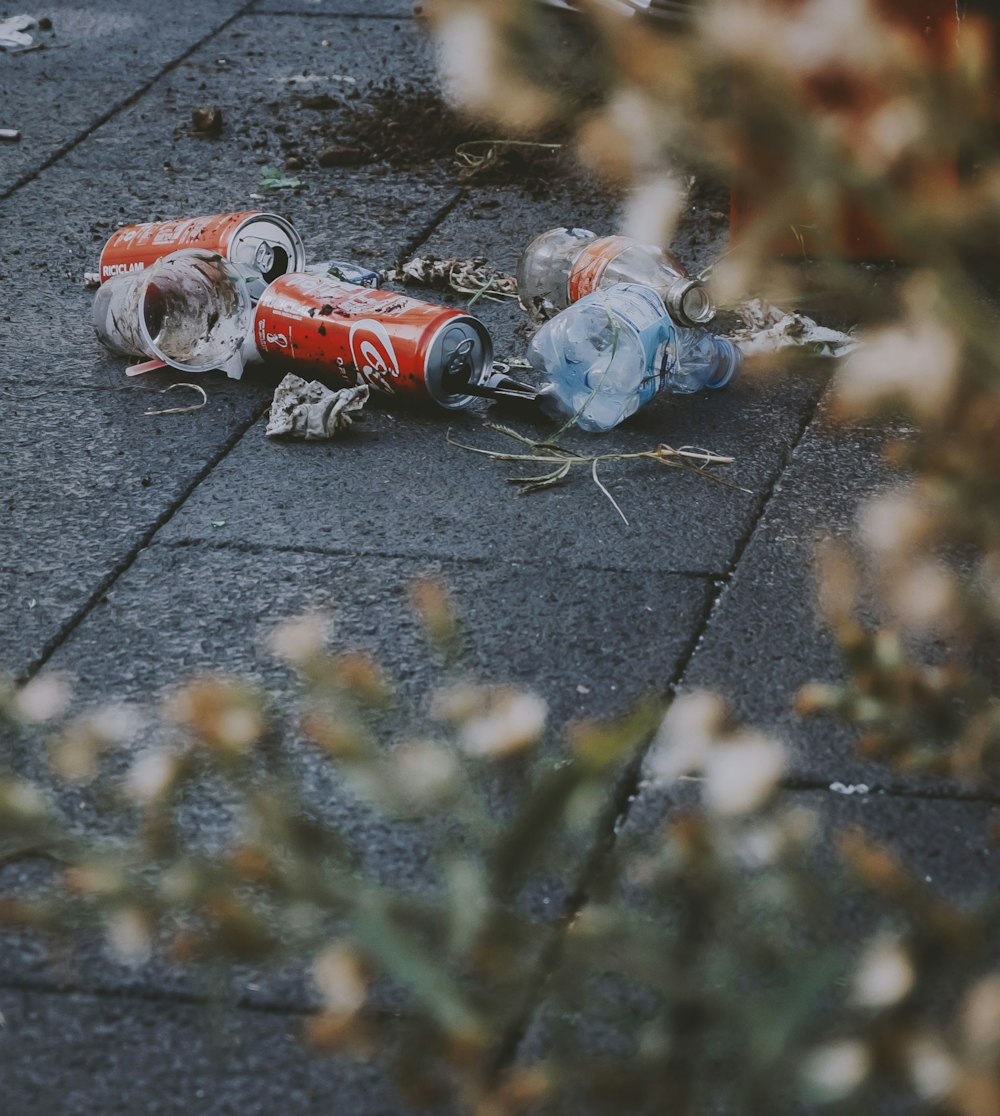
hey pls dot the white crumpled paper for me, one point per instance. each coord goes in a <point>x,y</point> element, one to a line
<point>767,329</point>
<point>311,410</point>
<point>12,37</point>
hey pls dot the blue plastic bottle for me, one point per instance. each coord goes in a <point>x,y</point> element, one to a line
<point>607,355</point>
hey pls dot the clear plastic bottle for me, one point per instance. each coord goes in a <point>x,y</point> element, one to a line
<point>607,355</point>
<point>563,265</point>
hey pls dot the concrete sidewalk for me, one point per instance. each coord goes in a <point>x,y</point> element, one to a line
<point>136,551</point>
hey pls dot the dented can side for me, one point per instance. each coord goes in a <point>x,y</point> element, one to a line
<point>397,345</point>
<point>263,241</point>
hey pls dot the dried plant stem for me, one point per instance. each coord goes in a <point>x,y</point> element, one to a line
<point>562,460</point>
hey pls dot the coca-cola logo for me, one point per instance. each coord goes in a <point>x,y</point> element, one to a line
<point>372,353</point>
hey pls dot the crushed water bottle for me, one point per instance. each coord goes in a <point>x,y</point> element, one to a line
<point>563,265</point>
<point>607,355</point>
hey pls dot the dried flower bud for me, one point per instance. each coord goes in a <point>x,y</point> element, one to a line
<point>223,713</point>
<point>816,697</point>
<point>425,772</point>
<point>834,1071</point>
<point>923,597</point>
<point>932,1069</point>
<point>95,879</point>
<point>21,801</point>
<point>689,727</point>
<point>301,640</point>
<point>76,751</point>
<point>742,773</point>
<point>43,699</point>
<point>838,584</point>
<point>339,736</point>
<point>130,935</point>
<point>885,974</point>
<point>914,362</point>
<point>981,1019</point>
<point>894,524</point>
<point>511,721</point>
<point>338,974</point>
<point>433,605</point>
<point>152,776</point>
<point>358,672</point>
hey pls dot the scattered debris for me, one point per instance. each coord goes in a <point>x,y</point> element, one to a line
<point>346,272</point>
<point>272,178</point>
<point>311,410</point>
<point>563,460</point>
<point>602,357</point>
<point>561,265</point>
<point>472,276</point>
<point>191,310</point>
<point>182,410</point>
<point>11,135</point>
<point>399,346</point>
<point>480,155</point>
<point>769,330</point>
<point>337,156</point>
<point>264,242</point>
<point>206,121</point>
<point>13,37</point>
<point>319,101</point>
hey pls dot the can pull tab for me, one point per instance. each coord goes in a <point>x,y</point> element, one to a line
<point>458,366</point>
<point>502,388</point>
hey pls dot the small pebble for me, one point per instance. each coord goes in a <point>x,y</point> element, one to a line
<point>340,157</point>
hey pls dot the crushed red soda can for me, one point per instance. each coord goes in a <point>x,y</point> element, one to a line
<point>397,345</point>
<point>258,242</point>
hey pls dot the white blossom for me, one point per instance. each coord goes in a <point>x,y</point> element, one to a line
<point>742,773</point>
<point>884,976</point>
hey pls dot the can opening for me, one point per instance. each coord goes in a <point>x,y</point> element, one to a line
<point>278,265</point>
<point>459,366</point>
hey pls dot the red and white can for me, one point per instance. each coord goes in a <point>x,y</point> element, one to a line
<point>397,345</point>
<point>262,241</point>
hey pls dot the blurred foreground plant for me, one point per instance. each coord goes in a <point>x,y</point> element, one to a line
<point>720,954</point>
<point>714,960</point>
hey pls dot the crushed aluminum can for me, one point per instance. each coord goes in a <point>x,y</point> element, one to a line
<point>263,243</point>
<point>397,345</point>
<point>346,272</point>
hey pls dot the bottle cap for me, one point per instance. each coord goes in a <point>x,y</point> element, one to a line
<point>729,363</point>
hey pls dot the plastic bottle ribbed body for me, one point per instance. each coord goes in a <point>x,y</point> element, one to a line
<point>607,355</point>
<point>565,264</point>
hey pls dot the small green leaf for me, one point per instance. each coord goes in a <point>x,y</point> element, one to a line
<point>272,178</point>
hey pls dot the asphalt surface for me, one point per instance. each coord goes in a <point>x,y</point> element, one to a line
<point>136,551</point>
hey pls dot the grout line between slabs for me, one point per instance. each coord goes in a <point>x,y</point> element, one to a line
<point>133,552</point>
<point>245,547</point>
<point>120,106</point>
<point>151,995</point>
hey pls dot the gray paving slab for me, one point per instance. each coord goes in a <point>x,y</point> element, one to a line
<point>94,58</point>
<point>179,611</point>
<point>322,8</point>
<point>89,476</point>
<point>766,638</point>
<point>76,1055</point>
